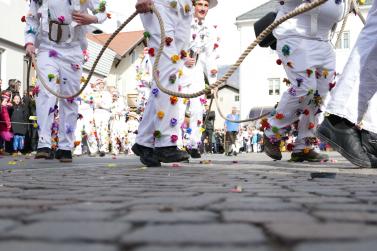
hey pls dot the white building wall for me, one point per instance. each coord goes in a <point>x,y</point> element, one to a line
<point>261,65</point>
<point>123,75</point>
<point>12,40</point>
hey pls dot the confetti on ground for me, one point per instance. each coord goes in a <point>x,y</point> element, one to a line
<point>323,175</point>
<point>143,168</point>
<point>111,165</point>
<point>12,163</point>
<point>206,162</point>
<point>114,157</point>
<point>175,165</point>
<point>237,189</point>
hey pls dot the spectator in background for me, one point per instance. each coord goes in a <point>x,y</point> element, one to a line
<point>19,118</point>
<point>31,139</point>
<point>14,86</point>
<point>5,123</point>
<point>231,129</point>
<point>209,124</point>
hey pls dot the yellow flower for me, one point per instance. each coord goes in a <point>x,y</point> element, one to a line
<point>175,59</point>
<point>185,100</point>
<point>82,80</point>
<point>82,1</point>
<point>187,8</point>
<point>180,73</point>
<point>160,114</point>
<point>202,130</point>
<point>306,150</point>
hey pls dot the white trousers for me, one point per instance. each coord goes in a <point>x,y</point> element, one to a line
<point>156,128</point>
<point>310,66</point>
<point>85,128</point>
<point>118,134</point>
<point>354,97</point>
<point>101,120</point>
<point>57,71</point>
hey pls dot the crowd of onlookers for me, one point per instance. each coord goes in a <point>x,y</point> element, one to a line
<point>18,127</point>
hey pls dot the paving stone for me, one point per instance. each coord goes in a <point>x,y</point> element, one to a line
<point>201,234</point>
<point>341,246</point>
<point>314,200</point>
<point>6,224</point>
<point>203,248</point>
<point>92,206</point>
<point>65,215</point>
<point>170,217</point>
<point>267,217</point>
<point>95,231</point>
<point>324,231</point>
<point>40,246</point>
<point>347,216</point>
<point>345,207</point>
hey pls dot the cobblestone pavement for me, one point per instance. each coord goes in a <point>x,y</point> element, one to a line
<point>240,203</point>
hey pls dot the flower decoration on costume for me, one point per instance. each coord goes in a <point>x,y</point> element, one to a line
<point>189,130</point>
<point>36,90</point>
<point>292,91</point>
<point>160,114</point>
<point>290,147</point>
<point>173,4</point>
<point>61,19</point>
<point>173,100</point>
<point>215,46</point>
<point>290,64</point>
<point>175,58</point>
<point>274,129</point>
<point>299,81</point>
<point>279,61</point>
<point>173,122</point>
<point>286,50</point>
<point>187,8</point>
<point>31,30</point>
<point>325,73</point>
<point>147,35</point>
<point>279,116</point>
<point>317,74</point>
<point>52,109</point>
<point>168,41</point>
<point>102,6</point>
<point>264,124</point>
<point>155,91</point>
<point>311,125</point>
<point>157,134</point>
<point>183,54</point>
<point>53,54</point>
<point>306,112</point>
<point>331,86</point>
<point>287,82</point>
<point>151,52</point>
<point>69,129</point>
<point>173,138</point>
<point>23,19</point>
<point>203,101</point>
<point>180,73</point>
<point>172,79</point>
<point>306,150</point>
<point>70,100</point>
<point>50,77</point>
<point>309,72</point>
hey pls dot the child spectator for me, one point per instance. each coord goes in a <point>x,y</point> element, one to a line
<point>5,124</point>
<point>19,119</point>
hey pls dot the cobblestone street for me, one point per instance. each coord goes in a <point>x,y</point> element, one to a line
<point>241,203</point>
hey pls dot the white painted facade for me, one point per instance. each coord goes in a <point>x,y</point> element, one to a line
<point>12,53</point>
<point>260,68</point>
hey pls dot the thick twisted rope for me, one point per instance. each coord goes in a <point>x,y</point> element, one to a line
<point>91,72</point>
<point>215,93</point>
<point>233,68</point>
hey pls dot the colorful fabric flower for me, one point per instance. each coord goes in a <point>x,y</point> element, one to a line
<point>53,54</point>
<point>173,100</point>
<point>75,67</point>
<point>168,41</point>
<point>172,79</point>
<point>147,35</point>
<point>173,138</point>
<point>175,58</point>
<point>286,50</point>
<point>173,122</point>
<point>279,116</point>
<point>309,72</point>
<point>61,19</point>
<point>157,134</point>
<point>151,52</point>
<point>155,91</point>
<point>173,4</point>
<point>160,114</point>
<point>50,77</point>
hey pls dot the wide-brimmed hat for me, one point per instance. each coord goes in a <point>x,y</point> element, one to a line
<point>212,3</point>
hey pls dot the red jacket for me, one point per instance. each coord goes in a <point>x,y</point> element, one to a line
<point>5,125</point>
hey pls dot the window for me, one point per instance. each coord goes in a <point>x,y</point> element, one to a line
<point>273,86</point>
<point>237,98</point>
<point>344,40</point>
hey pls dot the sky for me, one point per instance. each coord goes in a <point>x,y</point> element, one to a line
<point>224,16</point>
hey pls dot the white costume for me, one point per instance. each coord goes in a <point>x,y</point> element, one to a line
<point>118,126</point>
<point>203,45</point>
<point>102,114</point>
<point>159,126</point>
<point>132,126</point>
<point>144,81</point>
<point>59,62</point>
<point>354,97</point>
<point>85,130</point>
<point>308,57</point>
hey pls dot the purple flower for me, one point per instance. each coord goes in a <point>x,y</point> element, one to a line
<point>69,129</point>
<point>155,91</point>
<point>173,122</point>
<point>292,91</point>
<point>53,54</point>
